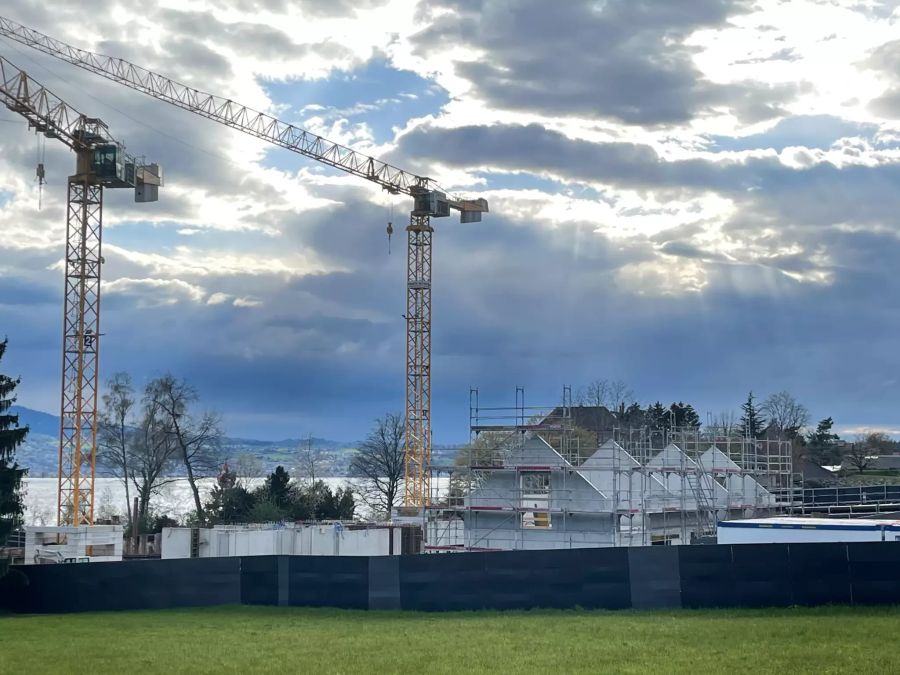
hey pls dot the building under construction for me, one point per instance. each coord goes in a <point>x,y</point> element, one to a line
<point>567,477</point>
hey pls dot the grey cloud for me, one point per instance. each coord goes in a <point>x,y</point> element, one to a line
<point>886,58</point>
<point>820,194</point>
<point>876,9</point>
<point>205,63</point>
<point>624,59</point>
<point>888,104</point>
<point>260,40</point>
<point>683,249</point>
<point>785,54</point>
<point>309,8</point>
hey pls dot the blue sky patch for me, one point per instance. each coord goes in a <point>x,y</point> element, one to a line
<point>375,94</point>
<point>810,131</point>
<point>164,238</point>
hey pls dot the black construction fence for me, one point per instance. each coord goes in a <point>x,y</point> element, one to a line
<point>746,575</point>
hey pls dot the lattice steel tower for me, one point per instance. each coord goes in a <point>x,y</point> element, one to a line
<point>101,162</point>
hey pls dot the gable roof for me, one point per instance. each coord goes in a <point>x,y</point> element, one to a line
<point>716,460</point>
<point>535,451</point>
<point>610,455</point>
<point>672,457</point>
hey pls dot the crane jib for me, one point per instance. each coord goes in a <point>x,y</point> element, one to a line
<point>240,117</point>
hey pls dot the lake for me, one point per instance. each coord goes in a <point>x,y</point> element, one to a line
<point>175,498</point>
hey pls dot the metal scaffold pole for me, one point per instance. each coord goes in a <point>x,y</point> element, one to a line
<point>417,456</point>
<point>81,346</point>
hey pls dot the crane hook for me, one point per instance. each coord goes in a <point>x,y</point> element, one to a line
<point>390,231</point>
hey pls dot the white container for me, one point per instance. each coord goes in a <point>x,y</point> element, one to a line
<point>806,530</point>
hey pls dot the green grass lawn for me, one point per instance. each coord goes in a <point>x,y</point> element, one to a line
<point>289,640</point>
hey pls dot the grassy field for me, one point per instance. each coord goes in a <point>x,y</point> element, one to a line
<point>288,640</point>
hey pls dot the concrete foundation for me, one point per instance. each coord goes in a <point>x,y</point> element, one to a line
<point>86,543</point>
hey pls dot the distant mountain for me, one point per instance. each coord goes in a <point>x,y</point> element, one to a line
<point>39,422</point>
<point>40,452</point>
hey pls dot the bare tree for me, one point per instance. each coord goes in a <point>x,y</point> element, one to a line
<point>309,471</point>
<point>310,461</point>
<point>595,394</point>
<point>866,447</point>
<point>151,456</point>
<point>603,393</point>
<point>115,431</point>
<point>379,464</point>
<point>197,439</point>
<point>786,415</point>
<point>878,442</point>
<point>724,423</point>
<point>620,396</point>
<point>858,455</point>
<point>133,444</point>
<point>247,467</point>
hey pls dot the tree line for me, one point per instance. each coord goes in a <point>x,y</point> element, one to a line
<point>778,416</point>
<point>152,438</point>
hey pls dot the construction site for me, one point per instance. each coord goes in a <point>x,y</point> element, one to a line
<point>557,476</point>
<point>566,477</point>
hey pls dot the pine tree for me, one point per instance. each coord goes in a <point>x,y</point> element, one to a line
<point>821,443</point>
<point>753,424</point>
<point>684,415</point>
<point>11,437</point>
<point>657,416</point>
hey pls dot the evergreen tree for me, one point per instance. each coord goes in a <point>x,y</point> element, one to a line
<point>684,415</point>
<point>229,502</point>
<point>631,417</point>
<point>657,416</point>
<point>277,487</point>
<point>11,437</point>
<point>753,424</point>
<point>821,443</point>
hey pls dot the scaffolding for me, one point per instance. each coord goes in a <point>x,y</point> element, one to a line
<point>566,476</point>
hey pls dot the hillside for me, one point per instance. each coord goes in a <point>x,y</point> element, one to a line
<point>40,453</point>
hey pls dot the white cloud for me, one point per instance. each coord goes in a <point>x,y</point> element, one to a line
<point>155,292</point>
<point>187,261</point>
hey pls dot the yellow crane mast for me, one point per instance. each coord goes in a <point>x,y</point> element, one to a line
<point>429,201</point>
<point>101,162</point>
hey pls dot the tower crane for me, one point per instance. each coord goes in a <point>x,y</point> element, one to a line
<point>101,162</point>
<point>429,201</point>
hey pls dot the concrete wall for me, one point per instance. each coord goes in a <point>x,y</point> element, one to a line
<point>102,543</point>
<point>220,542</point>
<point>747,575</point>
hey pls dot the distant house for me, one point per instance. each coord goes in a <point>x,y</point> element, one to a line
<point>877,463</point>
<point>812,471</point>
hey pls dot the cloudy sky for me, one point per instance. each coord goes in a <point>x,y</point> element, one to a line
<point>699,197</point>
